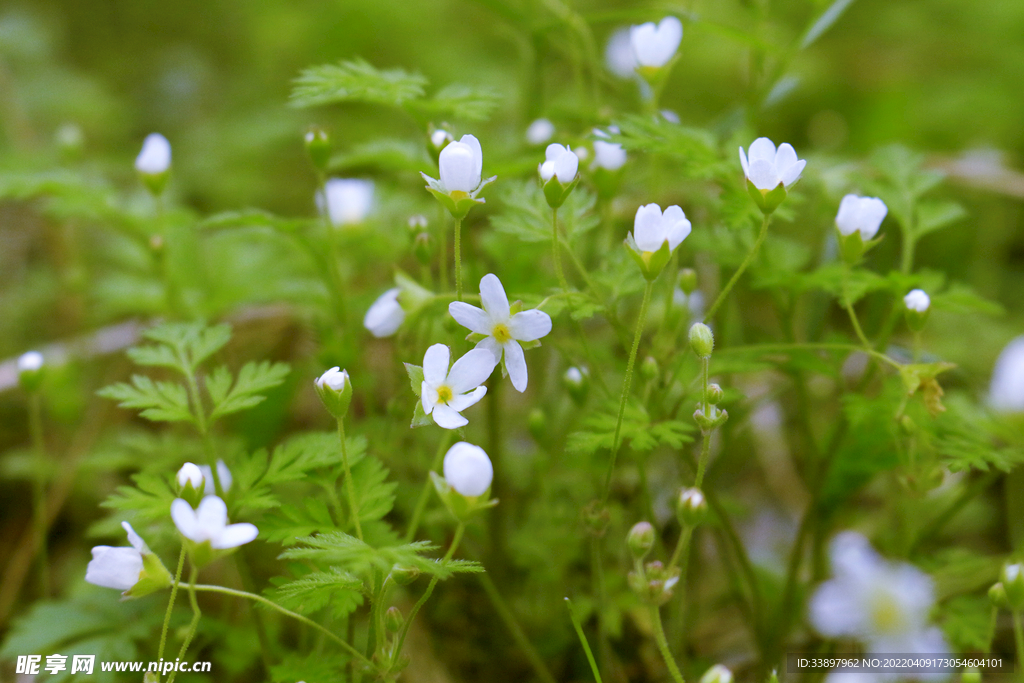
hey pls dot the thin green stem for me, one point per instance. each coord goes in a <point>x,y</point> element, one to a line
<point>512,624</point>
<point>583,640</point>
<point>349,486</point>
<point>848,305</point>
<point>681,551</point>
<point>443,248</point>
<point>702,463</point>
<point>739,271</point>
<point>458,259</point>
<point>597,577</point>
<point>421,503</point>
<point>666,654</point>
<point>196,614</point>
<point>625,389</point>
<point>556,250</point>
<point>35,424</point>
<point>170,603</point>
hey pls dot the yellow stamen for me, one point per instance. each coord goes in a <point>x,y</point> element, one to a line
<point>444,393</point>
<point>886,615</point>
<point>501,334</point>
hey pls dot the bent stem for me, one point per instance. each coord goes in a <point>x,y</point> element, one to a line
<point>557,251</point>
<point>848,305</point>
<point>35,418</point>
<point>666,654</point>
<point>421,504</point>
<point>625,389</point>
<point>349,486</point>
<point>583,640</point>
<point>170,602</point>
<point>458,259</point>
<point>739,271</point>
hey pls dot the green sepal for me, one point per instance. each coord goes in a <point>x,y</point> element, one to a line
<point>191,494</point>
<point>155,182</point>
<point>709,423</point>
<point>153,577</point>
<point>475,337</point>
<point>651,263</point>
<point>457,202</point>
<point>527,345</point>
<point>462,507</point>
<point>853,246</point>
<point>656,75</point>
<point>336,402</point>
<point>419,417</point>
<point>556,193</point>
<point>415,373</point>
<point>201,554</point>
<point>766,200</point>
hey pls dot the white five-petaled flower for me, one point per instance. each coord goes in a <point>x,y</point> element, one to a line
<point>860,214</point>
<point>560,162</point>
<point>117,567</point>
<point>209,522</point>
<point>385,316</point>
<point>30,361</point>
<point>883,604</point>
<point>155,157</point>
<point>607,155</point>
<point>1006,392</point>
<point>654,46</point>
<point>348,200</point>
<point>503,331</point>
<point>190,473</point>
<point>461,164</point>
<point>540,131</point>
<point>467,469</point>
<point>917,300</point>
<point>767,167</point>
<point>446,393</point>
<point>652,228</point>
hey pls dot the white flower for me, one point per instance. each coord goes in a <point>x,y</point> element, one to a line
<point>574,375</point>
<point>883,604</point>
<point>385,316</point>
<point>209,522</point>
<point>503,330</point>
<point>717,674</point>
<point>652,228</point>
<point>607,155</point>
<point>863,214</point>
<point>439,137</point>
<point>1006,392</point>
<point>223,473</point>
<point>190,472</point>
<point>654,46</point>
<point>349,200</point>
<point>917,300</point>
<point>540,131</point>
<point>445,394</point>
<point>461,164</point>
<point>767,167</point>
<point>618,54</point>
<point>560,162</point>
<point>155,157</point>
<point>117,567</point>
<point>335,378</point>
<point>30,361</point>
<point>467,469</point>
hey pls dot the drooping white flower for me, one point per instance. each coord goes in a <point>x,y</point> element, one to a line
<point>461,165</point>
<point>654,46</point>
<point>190,472</point>
<point>883,604</point>
<point>30,361</point>
<point>335,378</point>
<point>917,300</point>
<point>607,155</point>
<point>223,473</point>
<point>860,214</point>
<point>652,228</point>
<point>1006,392</point>
<point>767,167</point>
<point>446,393</point>
<point>348,202</point>
<point>385,316</point>
<point>618,54</point>
<point>467,469</point>
<point>117,567</point>
<point>540,131</point>
<point>209,522</point>
<point>503,331</point>
<point>155,157</point>
<point>560,162</point>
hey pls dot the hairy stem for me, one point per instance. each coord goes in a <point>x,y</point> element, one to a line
<point>170,603</point>
<point>349,486</point>
<point>196,614</point>
<point>739,271</point>
<point>666,654</point>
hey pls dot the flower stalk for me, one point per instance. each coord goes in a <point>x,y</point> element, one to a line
<point>743,266</point>
<point>349,486</point>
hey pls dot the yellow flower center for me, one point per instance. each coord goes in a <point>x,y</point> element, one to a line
<point>501,333</point>
<point>885,615</point>
<point>456,195</point>
<point>444,393</point>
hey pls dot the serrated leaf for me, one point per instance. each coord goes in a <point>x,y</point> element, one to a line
<point>528,216</point>
<point>457,101</point>
<point>833,278</point>
<point>355,81</point>
<point>290,522</point>
<point>375,496</point>
<point>195,341</point>
<point>354,556</point>
<point>149,499</point>
<point>419,416</point>
<point>253,378</point>
<point>695,149</point>
<point>316,590</point>
<point>159,401</point>
<point>415,373</point>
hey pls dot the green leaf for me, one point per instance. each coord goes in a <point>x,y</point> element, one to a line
<point>293,521</point>
<point>934,215</point>
<point>195,341</point>
<point>352,555</point>
<point>833,279</point>
<point>824,22</point>
<point>159,401</point>
<point>149,500</point>
<point>637,428</point>
<point>527,215</point>
<point>695,149</point>
<point>355,81</point>
<point>253,379</point>
<point>375,496</point>
<point>457,101</point>
<point>415,373</point>
<point>316,590</point>
<point>960,298</point>
<point>251,218</point>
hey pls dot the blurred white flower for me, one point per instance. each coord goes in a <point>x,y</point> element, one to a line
<point>574,375</point>
<point>440,137</point>
<point>766,168</point>
<point>670,116</point>
<point>461,164</point>
<point>349,200</point>
<point>385,316</point>
<point>446,393</point>
<point>209,522</point>
<point>559,162</point>
<point>539,132</point>
<point>31,361</point>
<point>1006,392</point>
<point>607,155</point>
<point>917,300</point>
<point>335,378</point>
<point>863,214</point>
<point>717,674</point>
<point>223,473</point>
<point>502,330</point>
<point>190,472</point>
<point>155,157</point>
<point>117,567</point>
<point>654,46</point>
<point>467,469</point>
<point>652,228</point>
<point>618,54</point>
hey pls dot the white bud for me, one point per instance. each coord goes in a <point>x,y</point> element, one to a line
<point>607,155</point>
<point>917,300</point>
<point>155,157</point>
<point>467,469</point>
<point>461,164</point>
<point>385,316</point>
<point>349,200</point>
<point>717,674</point>
<point>190,472</point>
<point>335,378</point>
<point>1006,392</point>
<point>540,131</point>
<point>863,214</point>
<point>654,46</point>
<point>223,473</point>
<point>30,361</point>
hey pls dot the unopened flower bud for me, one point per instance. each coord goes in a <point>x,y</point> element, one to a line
<point>403,576</point>
<point>649,368</point>
<point>418,223</point>
<point>577,382</point>
<point>688,280</point>
<point>1012,578</point>
<point>997,596</point>
<point>393,619</point>
<point>692,507</point>
<point>318,146</point>
<point>715,394</point>
<point>335,390</point>
<point>30,370</point>
<point>717,674</point>
<point>154,162</point>
<point>640,540</point>
<point>917,304</point>
<point>702,340</point>
<point>468,470</point>
<point>423,247</point>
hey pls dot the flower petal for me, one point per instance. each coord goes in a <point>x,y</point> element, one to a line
<point>435,364</point>
<point>566,166</point>
<point>235,535</point>
<point>491,344</point>
<point>529,325</point>
<point>494,299</point>
<point>185,519</point>
<point>460,168</point>
<point>761,148</point>
<point>785,157</point>
<point>428,397</point>
<point>463,401</point>
<point>677,232</point>
<point>478,155</point>
<point>515,363</point>
<point>472,318</point>
<point>647,228</point>
<point>471,371</point>
<point>792,174</point>
<point>134,538</point>
<point>846,218</point>
<point>553,151</point>
<point>212,515</point>
<point>743,163</point>
<point>448,418</point>
<point>763,175</point>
